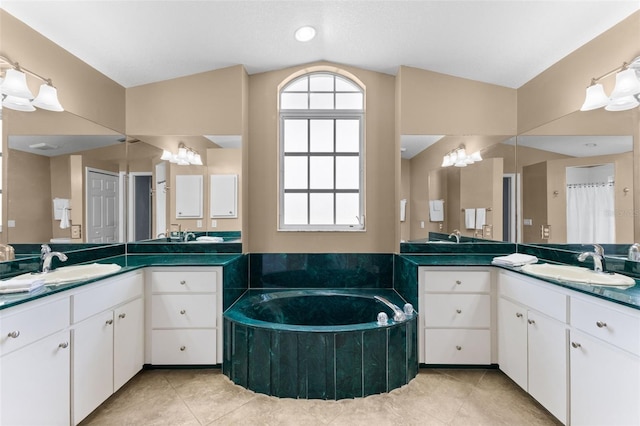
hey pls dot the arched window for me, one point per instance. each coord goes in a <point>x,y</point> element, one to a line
<point>321,154</point>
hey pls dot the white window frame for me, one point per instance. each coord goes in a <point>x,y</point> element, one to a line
<point>311,114</point>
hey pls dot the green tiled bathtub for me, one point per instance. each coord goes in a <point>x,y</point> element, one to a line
<point>323,344</point>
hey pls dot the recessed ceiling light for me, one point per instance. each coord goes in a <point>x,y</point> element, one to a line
<point>305,33</point>
<point>590,144</point>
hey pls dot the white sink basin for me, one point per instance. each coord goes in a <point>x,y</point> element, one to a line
<point>578,274</point>
<point>67,274</point>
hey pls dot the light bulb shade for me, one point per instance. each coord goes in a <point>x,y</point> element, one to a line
<point>15,84</point>
<point>476,156</point>
<point>622,104</point>
<point>460,163</point>
<point>19,104</point>
<point>182,153</point>
<point>595,98</point>
<point>48,99</point>
<point>446,161</point>
<point>166,155</point>
<point>627,84</point>
<point>197,160</point>
<point>462,154</point>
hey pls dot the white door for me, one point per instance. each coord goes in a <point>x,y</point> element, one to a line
<point>102,206</point>
<point>161,199</point>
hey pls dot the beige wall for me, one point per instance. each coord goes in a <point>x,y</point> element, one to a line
<point>534,202</point>
<point>481,187</point>
<point>380,185</point>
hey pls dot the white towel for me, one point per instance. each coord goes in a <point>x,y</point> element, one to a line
<point>20,285</point>
<point>64,220</point>
<point>514,259</point>
<point>436,210</point>
<point>403,210</point>
<point>481,218</point>
<point>59,204</point>
<point>470,218</point>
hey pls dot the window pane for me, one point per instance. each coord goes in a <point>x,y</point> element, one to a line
<point>347,209</point>
<point>295,173</point>
<point>347,173</point>
<point>347,136</point>
<point>344,85</point>
<point>321,173</point>
<point>295,136</point>
<point>295,209</point>
<point>321,135</point>
<point>321,206</point>
<point>348,100</point>
<point>321,101</point>
<point>299,85</point>
<point>293,101</point>
<point>321,83</point>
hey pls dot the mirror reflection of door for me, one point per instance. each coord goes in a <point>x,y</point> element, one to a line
<point>140,203</point>
<point>102,206</point>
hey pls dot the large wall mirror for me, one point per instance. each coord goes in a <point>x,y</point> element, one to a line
<point>578,179</point>
<point>442,192</point>
<point>111,184</point>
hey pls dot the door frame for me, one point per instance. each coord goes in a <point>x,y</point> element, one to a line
<point>131,229</point>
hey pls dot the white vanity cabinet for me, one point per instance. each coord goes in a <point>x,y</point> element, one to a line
<point>108,339</point>
<point>605,363</point>
<point>456,315</point>
<point>34,363</point>
<point>532,339</point>
<point>185,315</point>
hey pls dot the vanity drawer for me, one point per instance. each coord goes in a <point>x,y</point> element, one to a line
<point>182,281</point>
<point>457,281</point>
<point>27,325</point>
<point>181,347</point>
<point>106,294</point>
<point>457,310</point>
<point>535,294</point>
<point>606,323</point>
<point>183,310</point>
<point>457,347</point>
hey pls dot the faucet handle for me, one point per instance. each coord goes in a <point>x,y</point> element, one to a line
<point>45,249</point>
<point>597,249</point>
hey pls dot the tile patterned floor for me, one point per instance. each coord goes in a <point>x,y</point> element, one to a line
<point>207,397</point>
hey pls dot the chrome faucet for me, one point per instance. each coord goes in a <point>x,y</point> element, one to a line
<point>634,252</point>
<point>456,234</point>
<point>46,257</point>
<point>398,314</point>
<point>187,234</point>
<point>597,255</point>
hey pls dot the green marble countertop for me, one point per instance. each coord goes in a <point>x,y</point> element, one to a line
<point>128,263</point>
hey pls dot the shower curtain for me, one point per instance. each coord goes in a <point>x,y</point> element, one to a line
<point>591,213</point>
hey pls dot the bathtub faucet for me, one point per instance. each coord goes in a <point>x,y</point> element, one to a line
<point>398,314</point>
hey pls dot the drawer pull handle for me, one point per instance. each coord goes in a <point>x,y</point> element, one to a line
<point>459,311</point>
<point>531,321</point>
<point>122,315</point>
<point>601,324</point>
<point>183,348</point>
<point>518,315</point>
<point>63,345</point>
<point>182,282</point>
<point>14,334</point>
<point>182,312</point>
<point>458,282</point>
<point>459,348</point>
<point>575,345</point>
<point>109,322</point>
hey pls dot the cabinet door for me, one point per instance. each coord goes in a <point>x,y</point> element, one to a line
<point>128,342</point>
<point>512,341</point>
<point>224,196</point>
<point>92,364</point>
<point>35,386</point>
<point>188,196</point>
<point>605,383</point>
<point>547,356</point>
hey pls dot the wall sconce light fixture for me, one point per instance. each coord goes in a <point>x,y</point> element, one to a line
<point>459,158</point>
<point>16,94</point>
<point>184,157</point>
<point>625,95</point>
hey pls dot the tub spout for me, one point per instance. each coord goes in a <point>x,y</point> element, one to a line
<point>398,314</point>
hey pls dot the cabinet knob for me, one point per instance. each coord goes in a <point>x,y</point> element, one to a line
<point>601,324</point>
<point>14,334</point>
<point>459,348</point>
<point>183,348</point>
<point>458,282</point>
<point>575,345</point>
<point>182,282</point>
<point>122,315</point>
<point>530,321</point>
<point>459,311</point>
<point>109,322</point>
<point>518,315</point>
<point>63,345</point>
<point>182,312</point>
